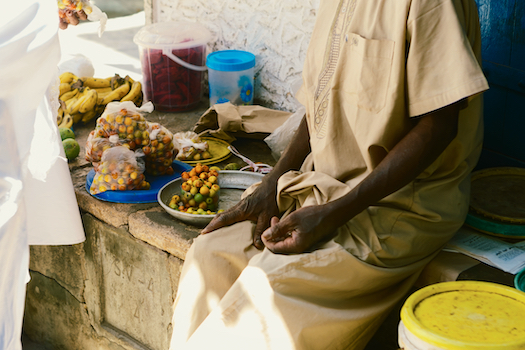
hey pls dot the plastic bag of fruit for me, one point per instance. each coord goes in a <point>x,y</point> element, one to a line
<point>127,121</point>
<point>96,145</point>
<point>120,169</point>
<point>161,151</point>
<point>191,147</point>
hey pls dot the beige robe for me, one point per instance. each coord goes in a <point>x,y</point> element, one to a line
<point>370,67</point>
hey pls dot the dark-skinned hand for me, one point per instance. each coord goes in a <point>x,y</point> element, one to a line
<point>67,17</point>
<point>301,231</point>
<point>259,207</point>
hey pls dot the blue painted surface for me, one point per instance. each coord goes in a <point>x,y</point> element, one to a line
<point>503,52</point>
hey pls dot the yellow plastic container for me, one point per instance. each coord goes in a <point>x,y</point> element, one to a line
<point>463,315</point>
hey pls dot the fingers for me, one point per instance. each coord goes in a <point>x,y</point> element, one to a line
<point>284,245</point>
<point>82,15</point>
<point>262,224</point>
<point>62,24</point>
<point>226,218</point>
<point>283,237</point>
<point>71,17</point>
<point>275,232</point>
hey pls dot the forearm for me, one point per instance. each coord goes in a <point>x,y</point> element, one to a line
<point>294,154</point>
<point>408,159</point>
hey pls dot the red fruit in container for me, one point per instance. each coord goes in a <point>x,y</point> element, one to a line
<point>173,58</point>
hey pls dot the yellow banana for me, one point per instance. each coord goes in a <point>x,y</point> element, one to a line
<point>102,96</point>
<point>60,115</point>
<point>86,117</point>
<point>69,95</point>
<point>104,89</point>
<point>68,77</point>
<point>138,100</point>
<point>79,99</point>
<point>63,88</point>
<point>77,117</point>
<point>117,94</point>
<point>135,90</point>
<point>69,104</point>
<point>67,122</point>
<point>89,102</point>
<point>96,82</point>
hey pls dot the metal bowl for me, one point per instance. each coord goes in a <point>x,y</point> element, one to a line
<point>232,183</point>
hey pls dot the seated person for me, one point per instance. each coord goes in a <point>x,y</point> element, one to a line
<point>371,187</point>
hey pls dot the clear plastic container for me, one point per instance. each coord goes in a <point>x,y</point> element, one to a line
<point>230,77</point>
<point>172,56</point>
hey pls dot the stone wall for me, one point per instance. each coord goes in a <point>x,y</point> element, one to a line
<point>111,292</point>
<point>277,32</point>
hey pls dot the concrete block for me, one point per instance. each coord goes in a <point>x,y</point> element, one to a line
<point>64,264</point>
<point>161,230</point>
<point>57,320</point>
<point>130,287</point>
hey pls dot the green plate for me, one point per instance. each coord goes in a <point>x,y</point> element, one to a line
<point>519,280</point>
<point>218,149</point>
<point>495,227</point>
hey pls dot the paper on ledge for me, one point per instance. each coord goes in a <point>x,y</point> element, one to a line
<point>509,257</point>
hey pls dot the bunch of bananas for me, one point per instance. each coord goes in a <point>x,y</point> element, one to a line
<point>85,98</point>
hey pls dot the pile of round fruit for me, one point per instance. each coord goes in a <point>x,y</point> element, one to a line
<point>71,146</point>
<point>199,191</point>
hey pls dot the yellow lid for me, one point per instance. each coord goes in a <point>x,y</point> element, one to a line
<point>467,315</point>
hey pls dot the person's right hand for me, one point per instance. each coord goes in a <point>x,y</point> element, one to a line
<point>259,207</point>
<point>72,17</point>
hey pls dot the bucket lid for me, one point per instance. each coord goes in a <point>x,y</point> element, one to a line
<point>467,315</point>
<point>173,35</point>
<point>230,60</point>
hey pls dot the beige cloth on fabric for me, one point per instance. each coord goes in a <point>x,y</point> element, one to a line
<point>368,71</point>
<point>227,121</point>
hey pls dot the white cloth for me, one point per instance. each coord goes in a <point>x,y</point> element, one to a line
<point>37,200</point>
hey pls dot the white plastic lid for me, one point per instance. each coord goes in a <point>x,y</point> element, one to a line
<point>175,35</point>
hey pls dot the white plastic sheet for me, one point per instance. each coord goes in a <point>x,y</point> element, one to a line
<point>37,200</point>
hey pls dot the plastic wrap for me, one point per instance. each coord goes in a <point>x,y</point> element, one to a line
<point>191,147</point>
<point>279,139</point>
<point>125,120</point>
<point>96,145</point>
<point>161,151</point>
<point>120,169</point>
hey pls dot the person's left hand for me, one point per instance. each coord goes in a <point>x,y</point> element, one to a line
<point>299,232</point>
<point>72,17</point>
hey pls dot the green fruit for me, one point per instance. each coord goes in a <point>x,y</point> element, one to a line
<point>66,133</point>
<point>232,166</point>
<point>72,148</point>
<point>198,198</point>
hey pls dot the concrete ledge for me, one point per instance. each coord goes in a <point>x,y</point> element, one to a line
<point>156,227</point>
